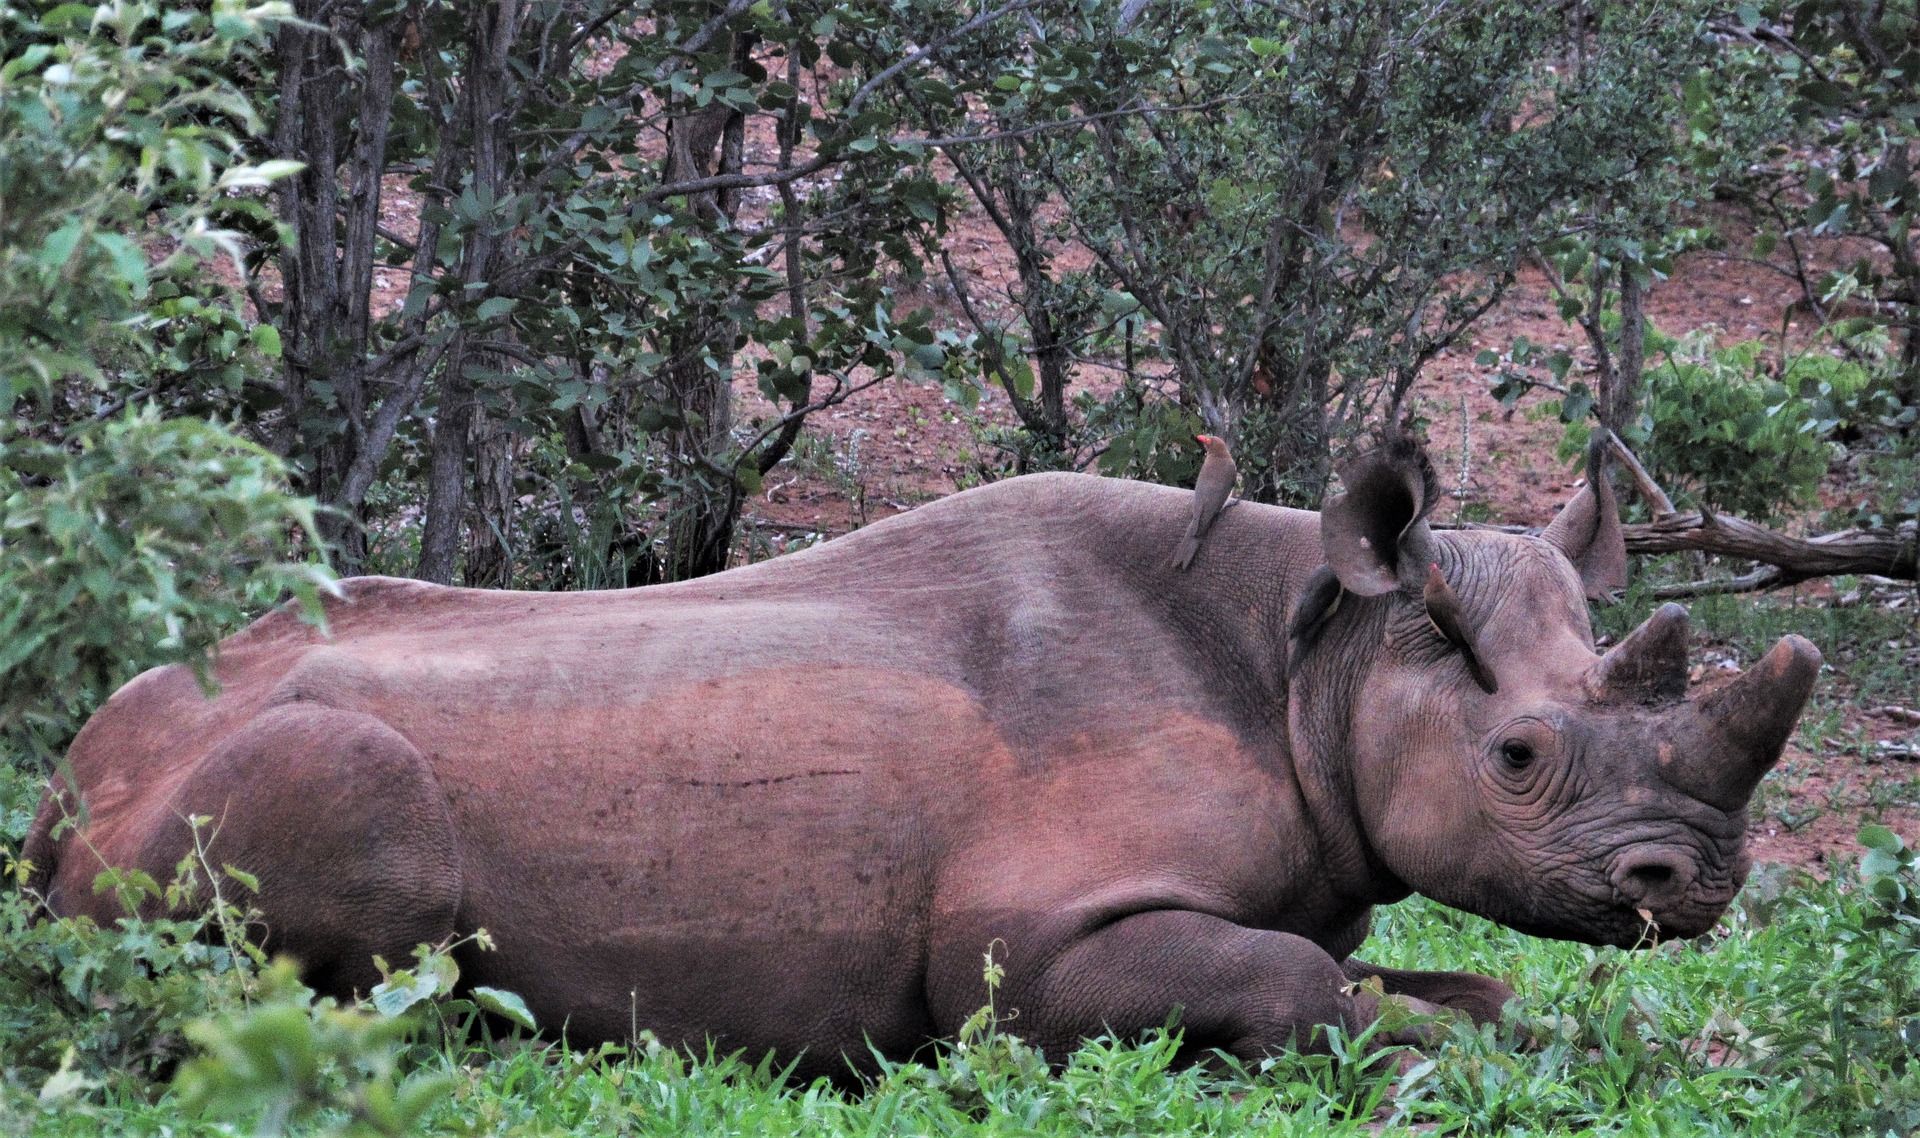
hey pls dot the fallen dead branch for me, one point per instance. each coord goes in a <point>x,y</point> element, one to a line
<point>1886,552</point>
<point>1784,560</point>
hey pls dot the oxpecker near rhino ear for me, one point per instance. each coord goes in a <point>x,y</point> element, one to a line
<point>1449,618</point>
<point>1318,602</point>
<point>1588,529</point>
<point>1374,535</point>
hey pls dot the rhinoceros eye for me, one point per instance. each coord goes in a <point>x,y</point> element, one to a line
<point>1516,753</point>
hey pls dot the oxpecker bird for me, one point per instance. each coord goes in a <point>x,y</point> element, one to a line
<point>1444,612</point>
<point>1210,491</point>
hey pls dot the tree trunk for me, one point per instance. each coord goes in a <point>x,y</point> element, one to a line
<point>490,549</point>
<point>1037,285</point>
<point>481,125</point>
<point>1619,398</point>
<point>447,474</point>
<point>324,317</point>
<point>701,519</point>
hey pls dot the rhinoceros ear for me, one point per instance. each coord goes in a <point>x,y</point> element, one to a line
<point>1588,529</point>
<point>1374,536</point>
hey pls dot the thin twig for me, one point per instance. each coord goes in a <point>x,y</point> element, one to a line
<point>1765,577</point>
<point>1650,491</point>
<point>843,389</point>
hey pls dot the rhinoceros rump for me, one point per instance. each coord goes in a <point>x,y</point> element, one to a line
<point>789,806</point>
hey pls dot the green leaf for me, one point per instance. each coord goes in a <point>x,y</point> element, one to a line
<point>59,245</point>
<point>1877,837</point>
<point>505,1004</point>
<point>1879,863</point>
<point>128,261</point>
<point>251,882</point>
<point>266,338</point>
<point>495,307</point>
<point>1824,93</point>
<point>260,176</point>
<point>402,991</point>
<point>1576,405</point>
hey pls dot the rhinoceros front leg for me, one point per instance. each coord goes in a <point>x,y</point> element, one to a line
<point>1481,998</point>
<point>1245,991</point>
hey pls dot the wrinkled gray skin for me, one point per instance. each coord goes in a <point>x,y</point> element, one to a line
<point>790,806</point>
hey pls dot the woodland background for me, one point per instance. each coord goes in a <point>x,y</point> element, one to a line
<point>568,294</point>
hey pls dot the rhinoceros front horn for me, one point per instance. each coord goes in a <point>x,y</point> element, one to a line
<point>1739,730</point>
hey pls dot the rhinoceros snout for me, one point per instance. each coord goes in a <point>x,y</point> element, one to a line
<point>1665,883</point>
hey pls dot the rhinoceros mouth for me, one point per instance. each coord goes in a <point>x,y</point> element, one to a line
<point>1651,928</point>
<point>1625,923</point>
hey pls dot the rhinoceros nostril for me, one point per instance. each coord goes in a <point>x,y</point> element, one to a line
<point>1652,875</point>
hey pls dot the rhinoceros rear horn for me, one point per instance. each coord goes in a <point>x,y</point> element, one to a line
<point>1649,666</point>
<point>1744,726</point>
<point>1374,536</point>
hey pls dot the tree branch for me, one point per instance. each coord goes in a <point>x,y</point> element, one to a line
<point>1650,491</point>
<point>1766,577</point>
<point>843,389</point>
<point>1886,552</point>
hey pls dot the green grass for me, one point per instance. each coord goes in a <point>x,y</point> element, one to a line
<point>1797,1019</point>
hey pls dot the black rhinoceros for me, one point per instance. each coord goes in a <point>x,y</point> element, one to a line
<point>788,807</point>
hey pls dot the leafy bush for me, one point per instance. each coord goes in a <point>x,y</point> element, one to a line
<point>127,540</point>
<point>90,1011</point>
<point>1719,428</point>
<point>1807,121</point>
<point>136,542</point>
<point>289,1060</point>
<point>1861,1028</point>
<point>1311,208</point>
<point>83,1005</point>
<point>122,130</point>
<point>1726,434</point>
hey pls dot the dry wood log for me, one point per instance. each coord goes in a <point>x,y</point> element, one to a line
<point>1784,560</point>
<point>1887,552</point>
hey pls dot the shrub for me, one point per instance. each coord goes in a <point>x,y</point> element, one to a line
<point>122,131</point>
<point>137,542</point>
<point>87,1005</point>
<point>1722,429</point>
<point>127,540</point>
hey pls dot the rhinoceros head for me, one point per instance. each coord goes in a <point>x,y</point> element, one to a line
<point>1498,762</point>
